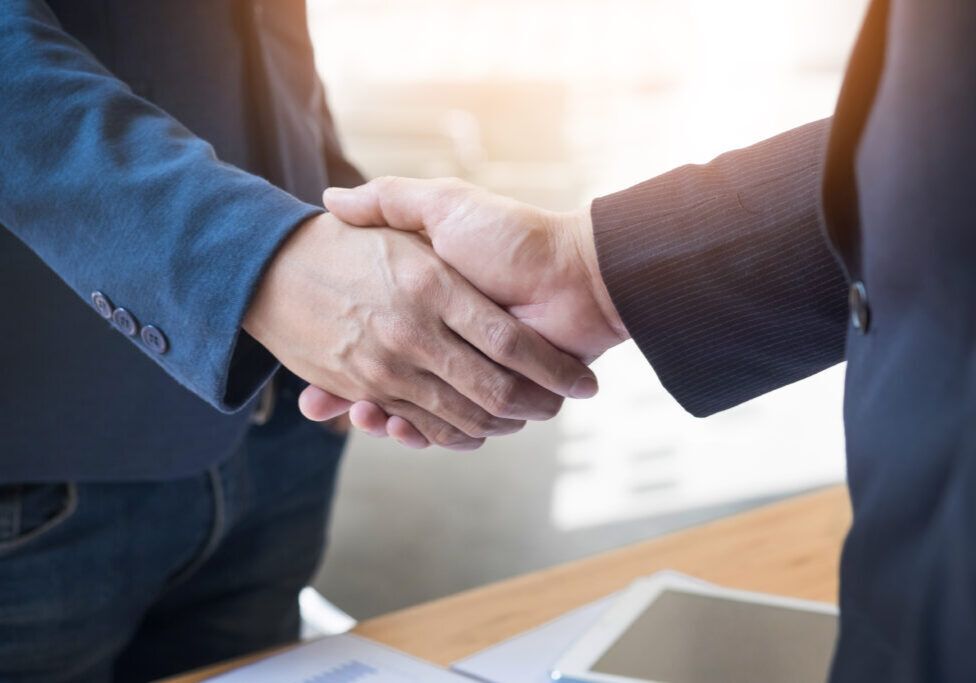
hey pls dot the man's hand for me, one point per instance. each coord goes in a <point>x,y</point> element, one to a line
<point>540,265</point>
<point>375,315</point>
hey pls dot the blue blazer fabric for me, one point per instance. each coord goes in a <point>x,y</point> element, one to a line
<point>156,154</point>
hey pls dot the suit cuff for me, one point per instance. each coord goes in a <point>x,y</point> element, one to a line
<point>209,351</point>
<point>247,366</point>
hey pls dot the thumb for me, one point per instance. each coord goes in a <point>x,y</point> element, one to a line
<point>403,203</point>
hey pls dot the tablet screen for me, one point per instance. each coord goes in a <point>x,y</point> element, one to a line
<point>684,637</point>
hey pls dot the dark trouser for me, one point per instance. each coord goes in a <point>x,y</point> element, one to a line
<point>134,581</point>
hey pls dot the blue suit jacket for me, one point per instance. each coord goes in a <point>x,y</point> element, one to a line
<point>156,153</point>
<point>723,275</point>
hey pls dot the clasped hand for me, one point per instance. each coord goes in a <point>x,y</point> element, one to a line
<point>436,312</point>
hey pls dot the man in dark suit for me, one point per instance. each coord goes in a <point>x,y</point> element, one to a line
<point>160,166</point>
<point>851,238</point>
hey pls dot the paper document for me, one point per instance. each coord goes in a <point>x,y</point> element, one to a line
<point>341,659</point>
<point>530,656</point>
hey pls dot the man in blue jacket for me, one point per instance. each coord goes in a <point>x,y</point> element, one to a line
<point>161,251</point>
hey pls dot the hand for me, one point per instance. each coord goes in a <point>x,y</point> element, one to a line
<point>375,315</point>
<point>541,265</point>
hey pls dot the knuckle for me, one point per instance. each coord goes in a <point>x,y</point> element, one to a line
<point>402,336</point>
<point>446,436</point>
<point>483,425</point>
<point>503,339</point>
<point>474,425</point>
<point>379,374</point>
<point>422,281</point>
<point>502,397</point>
<point>436,401</point>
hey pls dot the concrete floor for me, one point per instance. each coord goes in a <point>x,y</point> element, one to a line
<point>628,465</point>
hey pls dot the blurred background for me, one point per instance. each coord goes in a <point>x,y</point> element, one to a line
<point>557,102</point>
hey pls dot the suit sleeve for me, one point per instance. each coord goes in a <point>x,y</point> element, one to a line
<point>116,196</point>
<point>722,274</point>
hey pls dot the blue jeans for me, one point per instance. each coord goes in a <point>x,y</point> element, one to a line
<point>133,581</point>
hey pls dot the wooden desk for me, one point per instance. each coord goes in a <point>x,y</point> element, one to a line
<point>791,548</point>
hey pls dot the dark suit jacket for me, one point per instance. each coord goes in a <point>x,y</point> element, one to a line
<point>723,276</point>
<point>156,153</point>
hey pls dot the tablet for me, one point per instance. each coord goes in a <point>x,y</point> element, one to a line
<point>667,630</point>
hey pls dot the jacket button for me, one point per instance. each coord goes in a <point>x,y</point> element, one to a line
<point>124,322</point>
<point>154,339</point>
<point>102,305</point>
<point>860,313</point>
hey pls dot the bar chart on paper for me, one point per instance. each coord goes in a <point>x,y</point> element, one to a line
<point>341,659</point>
<point>347,673</point>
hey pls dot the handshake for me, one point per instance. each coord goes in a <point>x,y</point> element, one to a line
<point>436,312</point>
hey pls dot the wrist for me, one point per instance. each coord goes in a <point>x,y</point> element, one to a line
<point>579,224</point>
<point>282,274</point>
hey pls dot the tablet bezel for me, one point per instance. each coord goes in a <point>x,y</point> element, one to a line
<point>575,665</point>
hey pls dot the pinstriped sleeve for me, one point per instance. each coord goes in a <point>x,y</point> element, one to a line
<point>722,274</point>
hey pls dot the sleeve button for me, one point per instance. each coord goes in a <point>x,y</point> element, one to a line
<point>102,304</point>
<point>124,322</point>
<point>860,313</point>
<point>154,338</point>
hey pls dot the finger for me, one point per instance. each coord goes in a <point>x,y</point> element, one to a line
<point>433,429</point>
<point>403,203</point>
<point>319,405</point>
<point>497,390</point>
<point>516,346</point>
<point>405,433</point>
<point>439,398</point>
<point>368,417</point>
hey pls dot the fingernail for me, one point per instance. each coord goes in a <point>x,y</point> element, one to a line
<point>334,193</point>
<point>585,387</point>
